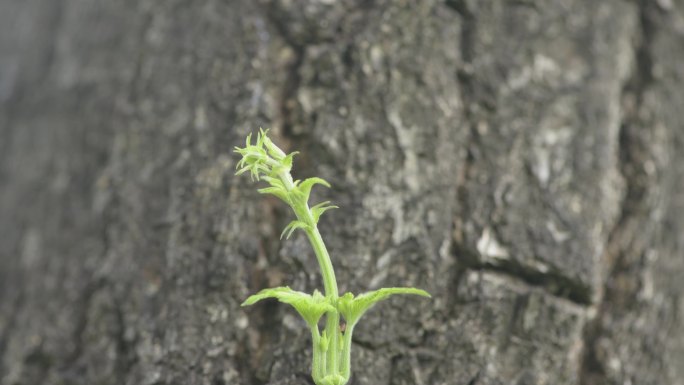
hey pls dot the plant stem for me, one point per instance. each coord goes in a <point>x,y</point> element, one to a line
<point>346,352</point>
<point>318,365</point>
<point>329,281</point>
<point>330,284</point>
<point>303,213</point>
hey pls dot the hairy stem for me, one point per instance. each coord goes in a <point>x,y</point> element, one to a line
<point>329,281</point>
<point>303,213</point>
<point>346,352</point>
<point>318,365</point>
<point>330,284</point>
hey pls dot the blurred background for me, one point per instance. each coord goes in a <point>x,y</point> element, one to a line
<point>522,160</point>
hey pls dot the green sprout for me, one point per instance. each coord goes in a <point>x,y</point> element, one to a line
<point>332,347</point>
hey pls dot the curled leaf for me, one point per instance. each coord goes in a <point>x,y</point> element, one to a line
<point>273,150</point>
<point>280,192</point>
<point>307,184</point>
<point>320,208</point>
<point>353,308</point>
<point>290,228</point>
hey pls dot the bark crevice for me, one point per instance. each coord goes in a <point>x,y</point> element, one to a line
<point>628,239</point>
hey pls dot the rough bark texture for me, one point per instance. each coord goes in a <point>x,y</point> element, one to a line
<point>521,160</point>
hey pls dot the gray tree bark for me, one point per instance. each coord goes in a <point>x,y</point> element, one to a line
<point>521,160</point>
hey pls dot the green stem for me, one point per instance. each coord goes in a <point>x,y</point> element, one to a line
<point>318,365</point>
<point>303,213</point>
<point>330,284</point>
<point>329,281</point>
<point>346,352</point>
<point>332,326</point>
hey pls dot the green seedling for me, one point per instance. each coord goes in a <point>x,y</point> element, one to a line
<point>332,347</point>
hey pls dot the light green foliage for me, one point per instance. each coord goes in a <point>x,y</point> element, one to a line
<point>310,307</point>
<point>332,347</point>
<point>353,308</point>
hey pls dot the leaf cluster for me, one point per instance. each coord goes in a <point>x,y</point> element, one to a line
<point>264,158</point>
<point>265,161</point>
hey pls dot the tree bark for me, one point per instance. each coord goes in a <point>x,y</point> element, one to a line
<point>523,161</point>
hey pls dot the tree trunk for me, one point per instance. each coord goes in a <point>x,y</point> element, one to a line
<point>523,161</point>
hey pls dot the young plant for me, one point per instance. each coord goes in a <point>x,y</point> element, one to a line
<point>332,347</point>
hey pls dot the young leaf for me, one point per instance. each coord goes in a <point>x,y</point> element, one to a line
<point>261,136</point>
<point>294,225</point>
<point>307,184</point>
<point>320,208</point>
<point>287,160</point>
<point>277,191</point>
<point>353,308</point>
<point>242,171</point>
<point>325,341</point>
<point>310,307</point>
<point>275,182</point>
<point>273,150</point>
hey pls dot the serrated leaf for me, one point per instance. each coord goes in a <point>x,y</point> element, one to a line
<point>292,226</point>
<point>307,184</point>
<point>277,170</point>
<point>273,181</point>
<point>320,208</point>
<point>287,160</point>
<point>353,308</point>
<point>277,191</point>
<point>310,307</point>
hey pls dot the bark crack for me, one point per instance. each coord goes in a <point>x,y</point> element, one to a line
<point>554,281</point>
<point>629,237</point>
<point>464,77</point>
